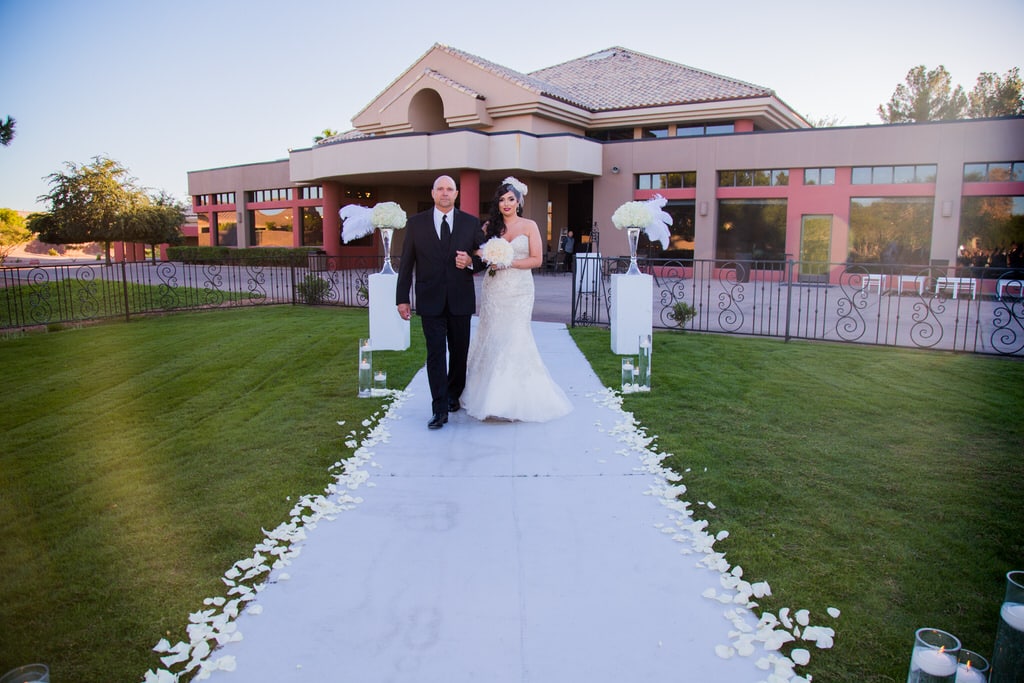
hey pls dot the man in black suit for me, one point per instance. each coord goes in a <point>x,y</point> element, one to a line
<point>440,247</point>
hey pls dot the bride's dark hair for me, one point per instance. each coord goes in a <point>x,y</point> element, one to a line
<point>495,222</point>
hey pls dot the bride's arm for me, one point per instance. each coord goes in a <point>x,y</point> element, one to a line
<point>535,258</point>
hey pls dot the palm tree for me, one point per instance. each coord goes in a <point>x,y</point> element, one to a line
<point>324,134</point>
<point>7,131</point>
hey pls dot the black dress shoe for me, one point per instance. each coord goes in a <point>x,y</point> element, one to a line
<point>437,421</point>
<point>453,405</point>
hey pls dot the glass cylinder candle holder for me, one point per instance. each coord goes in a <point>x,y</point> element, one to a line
<point>1008,652</point>
<point>973,668</point>
<point>30,673</point>
<point>380,382</point>
<point>643,377</point>
<point>628,375</point>
<point>365,368</point>
<point>934,659</point>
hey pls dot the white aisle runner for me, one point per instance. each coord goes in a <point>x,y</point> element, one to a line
<point>496,552</point>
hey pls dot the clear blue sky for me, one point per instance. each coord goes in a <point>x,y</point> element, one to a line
<point>169,87</point>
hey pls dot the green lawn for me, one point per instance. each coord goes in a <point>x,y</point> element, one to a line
<point>883,482</point>
<point>141,460</point>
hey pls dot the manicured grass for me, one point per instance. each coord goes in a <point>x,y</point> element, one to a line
<point>883,482</point>
<point>141,460</point>
<point>76,300</point>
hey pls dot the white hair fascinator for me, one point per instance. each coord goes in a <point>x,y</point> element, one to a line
<point>517,184</point>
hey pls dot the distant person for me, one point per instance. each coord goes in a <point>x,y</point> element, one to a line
<point>569,247</point>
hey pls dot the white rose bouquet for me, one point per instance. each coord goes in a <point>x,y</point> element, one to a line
<point>631,215</point>
<point>497,252</point>
<point>388,215</point>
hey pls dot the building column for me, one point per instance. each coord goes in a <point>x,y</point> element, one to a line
<point>469,191</point>
<point>333,193</point>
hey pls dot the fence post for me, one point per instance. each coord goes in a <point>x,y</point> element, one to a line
<point>789,294</point>
<point>124,286</point>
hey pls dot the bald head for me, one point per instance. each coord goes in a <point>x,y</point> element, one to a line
<point>444,193</point>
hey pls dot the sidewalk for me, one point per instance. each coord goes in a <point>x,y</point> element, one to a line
<point>501,552</point>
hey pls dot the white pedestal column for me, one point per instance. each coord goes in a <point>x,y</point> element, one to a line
<point>388,332</point>
<point>631,313</point>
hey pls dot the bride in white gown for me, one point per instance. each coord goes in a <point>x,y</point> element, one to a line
<point>505,377</point>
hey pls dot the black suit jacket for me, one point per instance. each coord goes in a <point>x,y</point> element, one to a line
<point>438,280</point>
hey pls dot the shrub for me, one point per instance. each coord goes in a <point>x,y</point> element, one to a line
<point>683,313</point>
<point>313,289</point>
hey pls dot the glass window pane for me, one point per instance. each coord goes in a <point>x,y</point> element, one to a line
<point>903,174</point>
<point>926,173</point>
<point>751,229</point>
<point>780,177</point>
<point>744,179</point>
<point>720,129</point>
<point>974,173</point>
<point>689,131</point>
<point>690,178</point>
<point>1018,171</point>
<point>643,181</point>
<point>673,180</point>
<point>890,230</point>
<point>881,175</point>
<point>312,226</point>
<point>828,176</point>
<point>989,226</point>
<point>659,132</point>
<point>999,172</point>
<point>272,227</point>
<point>761,178</point>
<point>681,232</point>
<point>812,176</point>
<point>727,178</point>
<point>657,181</point>
<point>861,175</point>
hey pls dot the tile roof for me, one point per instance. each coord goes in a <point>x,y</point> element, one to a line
<point>618,78</point>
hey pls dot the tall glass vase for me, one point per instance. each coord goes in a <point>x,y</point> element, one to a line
<point>634,236</point>
<point>385,237</point>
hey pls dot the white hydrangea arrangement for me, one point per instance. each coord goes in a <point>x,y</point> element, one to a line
<point>631,215</point>
<point>388,215</point>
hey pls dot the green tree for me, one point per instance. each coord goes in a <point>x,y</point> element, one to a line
<point>89,203</point>
<point>157,221</point>
<point>925,96</point>
<point>7,131</point>
<point>995,95</point>
<point>324,134</point>
<point>13,231</point>
<point>826,121</point>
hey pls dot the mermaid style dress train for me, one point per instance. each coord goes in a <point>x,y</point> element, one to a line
<point>506,378</point>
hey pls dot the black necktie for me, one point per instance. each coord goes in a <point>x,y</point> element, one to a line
<point>446,232</point>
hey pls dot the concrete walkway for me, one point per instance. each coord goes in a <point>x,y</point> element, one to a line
<point>501,552</point>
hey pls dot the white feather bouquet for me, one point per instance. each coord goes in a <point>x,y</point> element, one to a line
<point>388,215</point>
<point>497,253</point>
<point>359,221</point>
<point>648,215</point>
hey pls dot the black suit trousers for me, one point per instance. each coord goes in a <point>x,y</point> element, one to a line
<point>447,340</point>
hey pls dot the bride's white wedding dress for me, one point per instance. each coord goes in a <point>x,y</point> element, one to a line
<point>505,376</point>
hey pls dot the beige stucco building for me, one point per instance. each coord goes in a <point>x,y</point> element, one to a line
<point>745,175</point>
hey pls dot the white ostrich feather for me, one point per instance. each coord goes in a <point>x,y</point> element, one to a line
<point>657,229</point>
<point>356,222</point>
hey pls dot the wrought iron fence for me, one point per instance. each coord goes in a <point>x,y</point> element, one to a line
<point>934,307</point>
<point>67,293</point>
